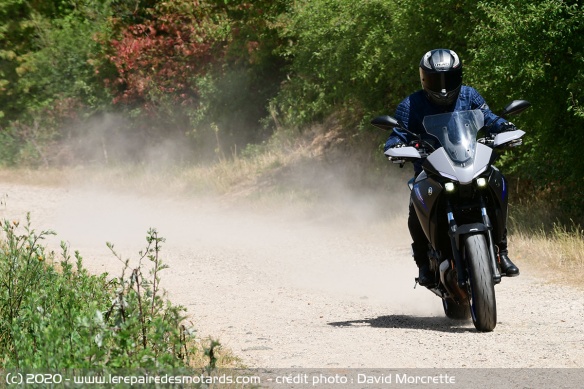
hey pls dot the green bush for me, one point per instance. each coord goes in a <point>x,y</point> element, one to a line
<point>534,50</point>
<point>363,55</point>
<point>56,315</point>
<point>338,53</point>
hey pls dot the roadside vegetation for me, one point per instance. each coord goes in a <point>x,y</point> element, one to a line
<point>56,315</point>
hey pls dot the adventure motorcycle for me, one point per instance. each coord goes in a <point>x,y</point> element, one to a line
<point>460,199</point>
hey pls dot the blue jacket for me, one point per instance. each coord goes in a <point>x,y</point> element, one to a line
<point>412,110</point>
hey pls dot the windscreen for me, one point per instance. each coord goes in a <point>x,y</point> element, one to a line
<point>457,133</point>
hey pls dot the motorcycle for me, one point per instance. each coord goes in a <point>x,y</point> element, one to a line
<point>460,199</point>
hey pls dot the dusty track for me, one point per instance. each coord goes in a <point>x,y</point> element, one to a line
<point>282,290</point>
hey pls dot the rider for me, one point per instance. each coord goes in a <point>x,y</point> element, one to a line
<point>442,91</point>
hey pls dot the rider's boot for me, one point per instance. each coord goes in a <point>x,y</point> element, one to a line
<point>508,268</point>
<point>425,274</point>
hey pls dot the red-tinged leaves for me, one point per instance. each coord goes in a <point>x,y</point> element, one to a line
<point>163,54</point>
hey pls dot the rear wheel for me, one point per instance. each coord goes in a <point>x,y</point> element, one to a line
<point>483,306</point>
<point>456,311</point>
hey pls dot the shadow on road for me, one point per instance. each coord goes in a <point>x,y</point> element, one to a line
<point>442,324</point>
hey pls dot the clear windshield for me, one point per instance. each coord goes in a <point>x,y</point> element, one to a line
<point>457,133</point>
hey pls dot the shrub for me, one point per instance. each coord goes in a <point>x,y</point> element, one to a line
<point>57,315</point>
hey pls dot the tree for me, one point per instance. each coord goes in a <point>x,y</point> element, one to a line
<point>363,55</point>
<point>535,50</point>
<point>46,69</point>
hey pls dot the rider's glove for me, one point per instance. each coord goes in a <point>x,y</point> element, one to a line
<point>508,126</point>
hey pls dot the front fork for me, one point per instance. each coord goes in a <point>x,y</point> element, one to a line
<point>491,244</point>
<point>452,227</point>
<point>461,274</point>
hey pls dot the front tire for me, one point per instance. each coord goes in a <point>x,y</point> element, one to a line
<point>483,306</point>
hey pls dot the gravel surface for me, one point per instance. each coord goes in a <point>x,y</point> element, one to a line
<point>282,290</point>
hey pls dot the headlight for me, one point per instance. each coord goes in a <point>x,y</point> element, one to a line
<point>449,187</point>
<point>481,182</point>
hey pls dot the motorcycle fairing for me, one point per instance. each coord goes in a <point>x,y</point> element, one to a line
<point>463,174</point>
<point>425,194</point>
<point>498,185</point>
<point>461,159</point>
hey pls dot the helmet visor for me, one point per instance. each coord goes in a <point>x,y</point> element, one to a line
<point>439,81</point>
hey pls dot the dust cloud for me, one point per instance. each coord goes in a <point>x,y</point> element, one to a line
<point>111,139</point>
<point>350,242</point>
<point>280,274</point>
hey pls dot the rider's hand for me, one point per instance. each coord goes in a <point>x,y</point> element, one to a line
<point>508,127</point>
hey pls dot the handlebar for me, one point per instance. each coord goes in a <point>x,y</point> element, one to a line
<point>487,141</point>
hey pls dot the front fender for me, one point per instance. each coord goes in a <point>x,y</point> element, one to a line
<point>472,228</point>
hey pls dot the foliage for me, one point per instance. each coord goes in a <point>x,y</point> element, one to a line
<point>336,56</point>
<point>234,95</point>
<point>539,47</point>
<point>363,55</point>
<point>157,51</point>
<point>209,77</point>
<point>48,73</point>
<point>182,67</point>
<point>19,25</point>
<point>162,54</point>
<point>59,316</point>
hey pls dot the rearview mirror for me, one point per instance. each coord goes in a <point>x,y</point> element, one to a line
<point>385,122</point>
<point>515,107</point>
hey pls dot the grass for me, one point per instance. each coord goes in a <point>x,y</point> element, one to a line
<point>556,251</point>
<point>553,247</point>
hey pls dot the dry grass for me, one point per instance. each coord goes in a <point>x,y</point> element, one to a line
<point>558,254</point>
<point>39,177</point>
<point>227,175</point>
<point>225,358</point>
<point>554,249</point>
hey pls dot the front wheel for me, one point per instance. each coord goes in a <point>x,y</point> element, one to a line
<point>483,306</point>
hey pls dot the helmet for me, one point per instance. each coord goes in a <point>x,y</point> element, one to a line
<point>441,76</point>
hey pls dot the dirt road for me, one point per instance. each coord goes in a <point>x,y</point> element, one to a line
<point>282,290</point>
